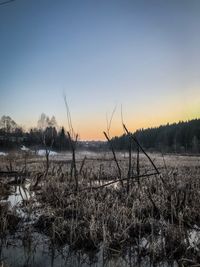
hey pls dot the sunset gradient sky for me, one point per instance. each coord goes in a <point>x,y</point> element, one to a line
<point>143,55</point>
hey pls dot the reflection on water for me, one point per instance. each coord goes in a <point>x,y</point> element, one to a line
<point>38,251</point>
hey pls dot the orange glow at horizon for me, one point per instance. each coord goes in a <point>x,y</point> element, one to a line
<point>91,126</point>
<point>95,130</point>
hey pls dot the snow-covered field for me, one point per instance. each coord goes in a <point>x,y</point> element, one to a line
<point>42,152</point>
<point>3,154</point>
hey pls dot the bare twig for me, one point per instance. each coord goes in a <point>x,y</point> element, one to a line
<point>138,144</point>
<point>73,166</point>
<point>110,121</point>
<point>82,165</point>
<point>71,130</point>
<point>129,164</point>
<point>114,156</point>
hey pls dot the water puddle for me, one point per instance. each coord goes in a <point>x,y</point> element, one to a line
<point>36,250</point>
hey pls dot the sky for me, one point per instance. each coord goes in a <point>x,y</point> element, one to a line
<point>143,56</point>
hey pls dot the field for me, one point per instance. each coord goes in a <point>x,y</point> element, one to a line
<point>97,211</point>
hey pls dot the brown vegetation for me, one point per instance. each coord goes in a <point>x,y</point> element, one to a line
<point>156,217</point>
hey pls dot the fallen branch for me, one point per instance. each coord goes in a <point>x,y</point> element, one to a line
<point>115,181</point>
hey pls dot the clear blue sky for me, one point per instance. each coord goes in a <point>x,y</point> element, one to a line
<point>144,55</point>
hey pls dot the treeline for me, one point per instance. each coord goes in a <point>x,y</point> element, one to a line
<point>35,138</point>
<point>47,134</point>
<point>182,137</point>
<point>50,137</point>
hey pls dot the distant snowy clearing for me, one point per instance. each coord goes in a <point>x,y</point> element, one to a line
<point>42,152</point>
<point>3,154</point>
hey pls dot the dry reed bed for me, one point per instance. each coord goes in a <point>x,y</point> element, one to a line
<point>156,217</point>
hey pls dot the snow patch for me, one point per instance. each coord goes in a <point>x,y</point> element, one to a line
<point>194,238</point>
<point>42,152</point>
<point>3,154</point>
<point>23,148</point>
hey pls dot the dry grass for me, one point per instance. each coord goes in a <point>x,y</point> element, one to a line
<point>156,218</point>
